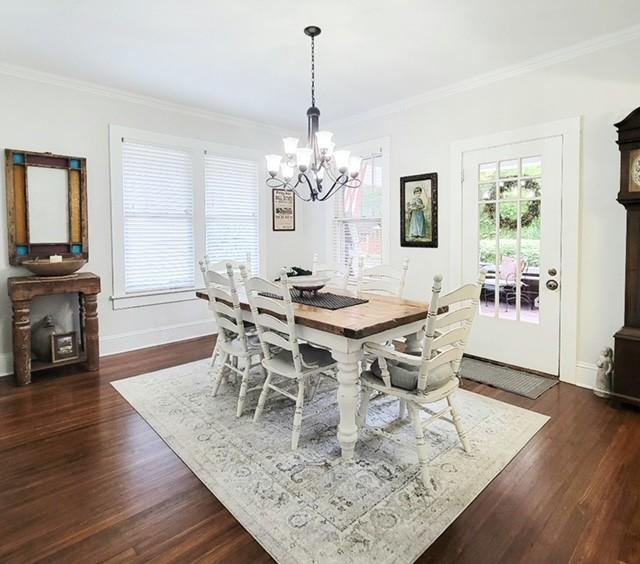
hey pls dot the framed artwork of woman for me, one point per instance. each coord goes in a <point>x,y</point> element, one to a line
<point>419,210</point>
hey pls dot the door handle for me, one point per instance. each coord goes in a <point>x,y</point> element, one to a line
<point>552,284</point>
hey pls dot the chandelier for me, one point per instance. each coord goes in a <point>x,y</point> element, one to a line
<point>316,168</point>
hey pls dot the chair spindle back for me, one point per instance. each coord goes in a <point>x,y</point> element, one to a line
<point>446,334</point>
<point>383,279</point>
<point>274,318</point>
<point>224,302</point>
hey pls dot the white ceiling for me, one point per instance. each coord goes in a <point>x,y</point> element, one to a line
<point>249,58</point>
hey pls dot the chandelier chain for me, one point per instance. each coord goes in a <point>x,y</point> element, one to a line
<point>313,71</point>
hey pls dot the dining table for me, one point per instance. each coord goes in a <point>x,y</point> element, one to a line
<point>344,332</point>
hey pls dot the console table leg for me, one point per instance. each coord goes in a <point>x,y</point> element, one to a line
<point>22,342</point>
<point>91,331</point>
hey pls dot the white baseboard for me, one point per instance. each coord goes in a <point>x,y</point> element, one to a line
<point>133,340</point>
<point>586,375</point>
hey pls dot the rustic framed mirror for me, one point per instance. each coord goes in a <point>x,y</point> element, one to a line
<point>46,206</point>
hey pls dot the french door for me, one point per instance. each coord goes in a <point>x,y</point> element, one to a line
<point>512,231</point>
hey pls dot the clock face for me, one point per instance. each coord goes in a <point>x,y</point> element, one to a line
<point>634,171</point>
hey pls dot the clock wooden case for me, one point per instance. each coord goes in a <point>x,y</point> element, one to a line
<point>626,381</point>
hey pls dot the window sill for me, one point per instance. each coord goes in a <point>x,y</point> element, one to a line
<point>154,298</point>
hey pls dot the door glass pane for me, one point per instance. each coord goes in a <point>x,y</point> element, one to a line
<point>488,172</point>
<point>508,189</point>
<point>531,166</point>
<point>507,266</point>
<point>530,256</point>
<point>488,191</point>
<point>509,238</point>
<point>530,188</point>
<point>509,169</point>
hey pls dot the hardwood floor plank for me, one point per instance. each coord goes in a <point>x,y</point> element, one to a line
<point>85,479</point>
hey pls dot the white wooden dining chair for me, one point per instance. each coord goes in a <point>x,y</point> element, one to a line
<point>339,273</point>
<point>382,279</point>
<point>432,376</point>
<point>221,266</point>
<point>235,346</point>
<point>291,360</point>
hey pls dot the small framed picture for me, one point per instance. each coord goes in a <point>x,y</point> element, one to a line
<point>64,346</point>
<point>284,210</point>
<point>419,210</point>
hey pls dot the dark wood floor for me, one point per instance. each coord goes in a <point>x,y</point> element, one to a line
<point>84,479</point>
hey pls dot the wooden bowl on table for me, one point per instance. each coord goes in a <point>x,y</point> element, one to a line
<point>309,284</point>
<point>42,267</point>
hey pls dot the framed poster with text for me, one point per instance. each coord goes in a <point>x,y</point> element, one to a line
<point>284,210</point>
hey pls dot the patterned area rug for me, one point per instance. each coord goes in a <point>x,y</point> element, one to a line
<point>308,506</point>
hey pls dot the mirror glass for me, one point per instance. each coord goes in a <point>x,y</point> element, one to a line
<point>48,195</point>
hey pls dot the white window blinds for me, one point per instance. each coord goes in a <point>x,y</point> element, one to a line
<point>159,251</point>
<point>231,195</point>
<point>357,219</point>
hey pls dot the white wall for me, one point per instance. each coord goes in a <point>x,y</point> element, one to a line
<point>45,117</point>
<point>602,87</point>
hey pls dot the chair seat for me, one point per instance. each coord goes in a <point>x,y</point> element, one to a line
<point>282,362</point>
<point>405,376</point>
<point>236,347</point>
<point>372,382</point>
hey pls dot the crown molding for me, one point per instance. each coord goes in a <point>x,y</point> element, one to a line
<point>546,60</point>
<point>26,73</point>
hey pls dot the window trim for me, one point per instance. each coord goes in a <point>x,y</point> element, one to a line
<point>120,299</point>
<point>380,145</point>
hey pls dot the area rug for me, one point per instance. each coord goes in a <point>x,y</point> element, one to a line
<point>519,382</point>
<point>308,506</point>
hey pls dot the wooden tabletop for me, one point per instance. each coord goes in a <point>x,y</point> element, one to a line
<point>379,314</point>
<point>29,287</point>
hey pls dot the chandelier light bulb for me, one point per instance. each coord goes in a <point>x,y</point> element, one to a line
<point>342,160</point>
<point>303,158</point>
<point>273,164</point>
<point>286,171</point>
<point>354,166</point>
<point>290,145</point>
<point>324,139</point>
<point>331,149</point>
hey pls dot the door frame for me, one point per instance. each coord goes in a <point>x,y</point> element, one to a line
<point>570,132</point>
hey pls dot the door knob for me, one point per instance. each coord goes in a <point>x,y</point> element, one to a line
<point>552,284</point>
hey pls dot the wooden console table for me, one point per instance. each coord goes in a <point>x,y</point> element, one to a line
<point>23,289</point>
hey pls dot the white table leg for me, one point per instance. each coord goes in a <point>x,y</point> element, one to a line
<point>348,391</point>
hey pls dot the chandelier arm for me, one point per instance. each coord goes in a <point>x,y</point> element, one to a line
<point>276,183</point>
<point>312,189</point>
<point>294,187</point>
<point>335,188</point>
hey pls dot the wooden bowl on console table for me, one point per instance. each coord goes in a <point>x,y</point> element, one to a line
<point>45,268</point>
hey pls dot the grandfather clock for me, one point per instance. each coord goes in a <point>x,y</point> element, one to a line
<point>626,380</point>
